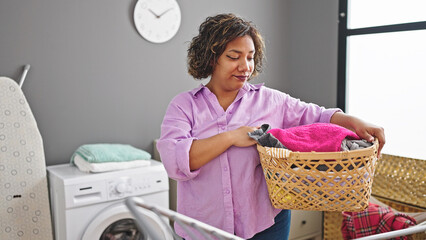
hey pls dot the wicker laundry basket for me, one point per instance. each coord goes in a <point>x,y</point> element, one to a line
<point>323,181</point>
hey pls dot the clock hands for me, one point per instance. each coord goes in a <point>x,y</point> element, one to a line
<point>165,12</point>
<point>158,16</point>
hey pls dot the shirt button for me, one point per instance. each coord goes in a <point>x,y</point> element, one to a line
<point>227,191</point>
<point>223,127</point>
<point>225,168</point>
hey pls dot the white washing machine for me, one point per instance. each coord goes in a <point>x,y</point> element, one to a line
<point>90,206</point>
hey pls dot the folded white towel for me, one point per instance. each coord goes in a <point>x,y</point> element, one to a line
<point>85,166</point>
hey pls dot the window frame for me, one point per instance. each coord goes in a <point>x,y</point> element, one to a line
<point>344,33</point>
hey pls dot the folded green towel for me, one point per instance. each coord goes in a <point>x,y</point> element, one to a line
<point>103,152</point>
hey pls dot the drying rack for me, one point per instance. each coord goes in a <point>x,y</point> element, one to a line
<point>397,233</point>
<point>187,223</point>
<point>210,232</point>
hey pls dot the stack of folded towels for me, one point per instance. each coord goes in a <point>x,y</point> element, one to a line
<point>104,157</point>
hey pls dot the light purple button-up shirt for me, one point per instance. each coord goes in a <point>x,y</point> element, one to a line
<point>230,191</point>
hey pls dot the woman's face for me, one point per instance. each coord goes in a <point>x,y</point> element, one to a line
<point>236,64</point>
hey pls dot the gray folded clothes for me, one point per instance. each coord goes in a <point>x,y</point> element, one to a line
<point>265,139</point>
<point>348,145</point>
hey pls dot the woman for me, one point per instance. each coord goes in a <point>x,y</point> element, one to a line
<point>204,143</point>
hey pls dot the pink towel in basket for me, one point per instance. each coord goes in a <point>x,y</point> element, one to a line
<point>318,137</point>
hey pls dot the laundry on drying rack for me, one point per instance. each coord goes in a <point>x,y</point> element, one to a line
<point>104,157</point>
<point>375,219</point>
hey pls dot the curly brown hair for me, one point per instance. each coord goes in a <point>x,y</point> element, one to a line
<point>214,34</point>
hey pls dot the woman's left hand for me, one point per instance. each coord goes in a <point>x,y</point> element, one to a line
<point>369,131</point>
<point>363,129</point>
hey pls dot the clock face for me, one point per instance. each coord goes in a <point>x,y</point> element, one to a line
<point>157,20</point>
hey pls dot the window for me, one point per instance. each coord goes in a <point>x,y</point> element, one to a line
<point>382,69</point>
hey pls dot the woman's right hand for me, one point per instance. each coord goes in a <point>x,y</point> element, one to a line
<point>241,138</point>
<point>204,150</point>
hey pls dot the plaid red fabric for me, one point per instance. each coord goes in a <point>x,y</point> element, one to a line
<point>374,220</point>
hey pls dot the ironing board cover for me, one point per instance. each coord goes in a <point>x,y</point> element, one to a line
<point>24,204</point>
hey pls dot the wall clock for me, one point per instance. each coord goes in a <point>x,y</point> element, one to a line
<point>157,20</point>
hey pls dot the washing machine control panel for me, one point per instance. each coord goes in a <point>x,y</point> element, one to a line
<point>119,188</point>
<point>131,186</point>
<point>114,186</point>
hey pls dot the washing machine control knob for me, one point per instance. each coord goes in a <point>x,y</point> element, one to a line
<point>121,187</point>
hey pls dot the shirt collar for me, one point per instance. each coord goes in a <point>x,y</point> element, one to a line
<point>253,87</point>
<point>247,87</point>
<point>197,89</point>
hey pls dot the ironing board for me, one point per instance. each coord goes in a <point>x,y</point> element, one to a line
<point>24,204</point>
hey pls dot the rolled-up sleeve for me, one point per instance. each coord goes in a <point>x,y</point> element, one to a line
<point>176,139</point>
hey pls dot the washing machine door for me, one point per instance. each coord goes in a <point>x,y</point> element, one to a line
<point>116,222</point>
